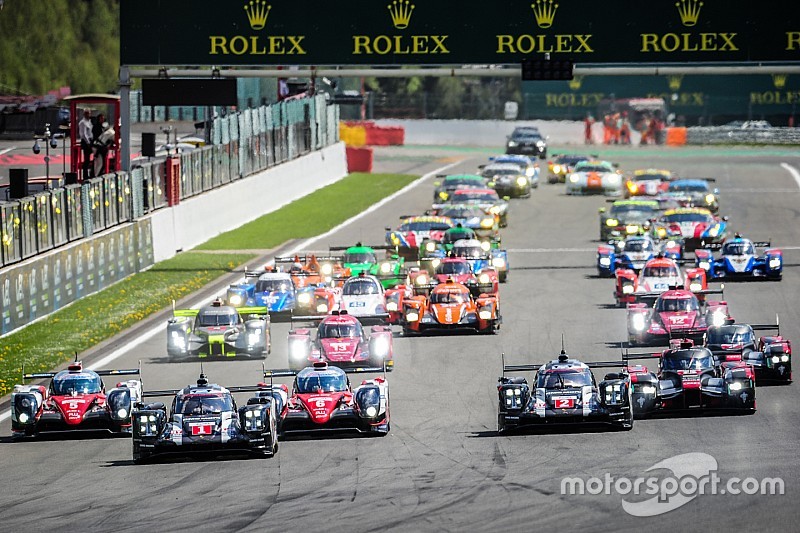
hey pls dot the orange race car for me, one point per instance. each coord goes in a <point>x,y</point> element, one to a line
<point>450,307</point>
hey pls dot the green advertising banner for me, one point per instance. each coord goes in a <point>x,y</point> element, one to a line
<point>444,32</point>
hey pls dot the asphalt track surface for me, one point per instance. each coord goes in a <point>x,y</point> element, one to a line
<point>442,467</point>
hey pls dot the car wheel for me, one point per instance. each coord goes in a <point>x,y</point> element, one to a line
<point>503,276</point>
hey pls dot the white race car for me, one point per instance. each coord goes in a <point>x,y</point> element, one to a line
<point>595,177</point>
<point>363,297</point>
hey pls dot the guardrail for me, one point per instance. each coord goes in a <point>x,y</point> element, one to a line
<point>243,143</point>
<point>727,135</point>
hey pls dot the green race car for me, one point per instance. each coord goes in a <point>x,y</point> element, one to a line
<point>627,217</point>
<point>359,259</point>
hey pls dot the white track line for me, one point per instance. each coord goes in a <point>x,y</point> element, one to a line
<point>793,171</point>
<point>3,152</point>
<point>152,332</point>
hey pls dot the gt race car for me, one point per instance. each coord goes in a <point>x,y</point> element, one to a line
<point>342,341</point>
<point>204,419</point>
<point>446,184</point>
<point>450,307</point>
<point>485,225</point>
<point>562,164</point>
<point>626,217</point>
<point>696,192</point>
<point>486,199</point>
<point>414,230</point>
<point>526,141</point>
<point>739,260</point>
<point>564,392</point>
<point>648,182</point>
<point>528,164</point>
<point>695,225</point>
<point>75,400</point>
<point>594,177</point>
<point>219,330</point>
<point>508,179</point>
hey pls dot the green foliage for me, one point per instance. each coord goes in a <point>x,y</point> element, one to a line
<point>46,45</point>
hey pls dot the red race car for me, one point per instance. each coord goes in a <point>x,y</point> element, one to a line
<point>657,276</point>
<point>342,341</point>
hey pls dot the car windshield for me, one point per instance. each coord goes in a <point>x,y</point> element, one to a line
<point>424,226</point>
<point>649,177</point>
<point>66,384</point>
<point>462,212</point>
<point>688,217</point>
<point>689,187</point>
<point>593,168</point>
<point>204,404</point>
<point>274,285</point>
<point>453,267</point>
<point>501,171</point>
<point>676,305</point>
<point>475,197</point>
<point>453,236</point>
<point>315,381</point>
<point>632,209</point>
<point>730,335</point>
<point>228,318</point>
<point>687,360</point>
<point>359,287</point>
<point>470,252</point>
<point>569,159</point>
<point>339,331</point>
<point>738,248</point>
<point>661,271</point>
<point>452,183</point>
<point>564,380</point>
<point>639,246</point>
<point>448,297</point>
<point>360,257</point>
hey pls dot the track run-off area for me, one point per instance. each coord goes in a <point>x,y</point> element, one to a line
<point>442,467</point>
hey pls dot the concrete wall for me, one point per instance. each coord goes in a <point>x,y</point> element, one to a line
<point>202,217</point>
<point>482,132</point>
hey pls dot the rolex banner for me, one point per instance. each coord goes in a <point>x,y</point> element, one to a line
<point>455,32</point>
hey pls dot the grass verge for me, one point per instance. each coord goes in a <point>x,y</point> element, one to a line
<point>91,320</point>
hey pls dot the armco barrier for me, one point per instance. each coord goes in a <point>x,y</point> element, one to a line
<point>359,159</point>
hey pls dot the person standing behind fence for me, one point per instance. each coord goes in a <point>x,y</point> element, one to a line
<point>587,131</point>
<point>85,133</point>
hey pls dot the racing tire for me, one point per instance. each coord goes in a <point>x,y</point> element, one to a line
<point>502,276</point>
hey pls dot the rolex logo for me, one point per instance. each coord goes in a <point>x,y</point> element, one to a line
<point>400,11</point>
<point>675,81</point>
<point>576,82</point>
<point>545,12</point>
<point>779,80</point>
<point>689,10</point>
<point>257,13</point>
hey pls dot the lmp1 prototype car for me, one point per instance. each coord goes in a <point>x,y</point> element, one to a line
<point>626,217</point>
<point>76,400</point>
<point>272,289</point>
<point>451,307</point>
<point>695,225</point>
<point>648,182</point>
<point>632,254</point>
<point>676,313</point>
<point>204,418</point>
<point>739,260</point>
<point>219,330</point>
<point>770,355</point>
<point>594,177</point>
<point>562,165</point>
<point>690,378</point>
<point>656,277</point>
<point>446,184</point>
<point>414,230</point>
<point>564,392</point>
<point>486,199</point>
<point>322,400</point>
<point>508,179</point>
<point>341,341</point>
<point>360,258</point>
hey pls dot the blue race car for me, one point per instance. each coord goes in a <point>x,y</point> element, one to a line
<point>632,254</point>
<point>481,257</point>
<point>273,290</point>
<point>739,260</point>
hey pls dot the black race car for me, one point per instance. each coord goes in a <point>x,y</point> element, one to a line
<point>204,418</point>
<point>564,392</point>
<point>527,141</point>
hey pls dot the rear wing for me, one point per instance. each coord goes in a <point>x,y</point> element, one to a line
<point>120,372</point>
<point>768,327</point>
<point>711,180</point>
<point>255,310</point>
<point>191,313</point>
<point>534,368</point>
<point>373,246</point>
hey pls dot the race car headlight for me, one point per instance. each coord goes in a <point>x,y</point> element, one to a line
<point>713,232</point>
<point>512,143</point>
<point>540,144</point>
<point>484,279</point>
<point>606,261</point>
<point>122,413</point>
<point>498,262</point>
<point>530,171</point>
<point>485,314</point>
<point>304,298</point>
<point>430,246</point>
<point>735,386</point>
<point>495,209</point>
<point>573,178</point>
<point>380,347</point>
<point>670,244</point>
<point>631,229</point>
<point>371,411</point>
<point>296,350</point>
<point>774,262</point>
<point>611,222</point>
<point>628,289</point>
<point>386,268</point>
<point>436,262</point>
<point>487,222</point>
<point>322,308</point>
<point>637,322</point>
<point>614,179</point>
<point>661,232</point>
<point>443,195</point>
<point>326,269</point>
<point>705,265</point>
<point>23,418</point>
<point>522,181</point>
<point>391,306</point>
<point>248,414</point>
<point>710,198</point>
<point>784,358</point>
<point>421,280</point>
<point>485,246</point>
<point>648,389</point>
<point>235,299</point>
<point>412,316</point>
<point>776,359</point>
<point>556,169</point>
<point>695,286</point>
<point>718,318</point>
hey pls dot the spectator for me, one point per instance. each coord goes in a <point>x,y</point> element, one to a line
<point>101,144</point>
<point>86,136</point>
<point>625,129</point>
<point>587,132</point>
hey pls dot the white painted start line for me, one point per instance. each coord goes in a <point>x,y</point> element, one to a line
<point>152,332</point>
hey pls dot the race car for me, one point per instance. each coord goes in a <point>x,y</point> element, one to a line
<point>492,261</point>
<point>656,277</point>
<point>446,184</point>
<point>508,179</point>
<point>690,378</point>
<point>75,400</point>
<point>219,330</point>
<point>526,141</point>
<point>697,192</point>
<point>770,355</point>
<point>310,271</point>
<point>485,225</point>
<point>626,217</point>
<point>360,258</point>
<point>632,254</point>
<point>204,419</point>
<point>460,270</point>
<point>363,297</point>
<point>564,392</point>
<point>322,400</point>
<point>274,290</point>
<point>676,313</point>
<point>486,199</point>
<point>594,177</point>
<point>413,230</point>
<point>450,307</point>
<point>341,341</point>
<point>528,164</point>
<point>740,260</point>
<point>695,225</point>
<point>648,182</point>
<point>561,165</point>
<point>394,301</point>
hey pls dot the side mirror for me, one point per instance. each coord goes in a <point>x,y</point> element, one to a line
<point>601,210</point>
<point>716,191</point>
<point>387,228</point>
